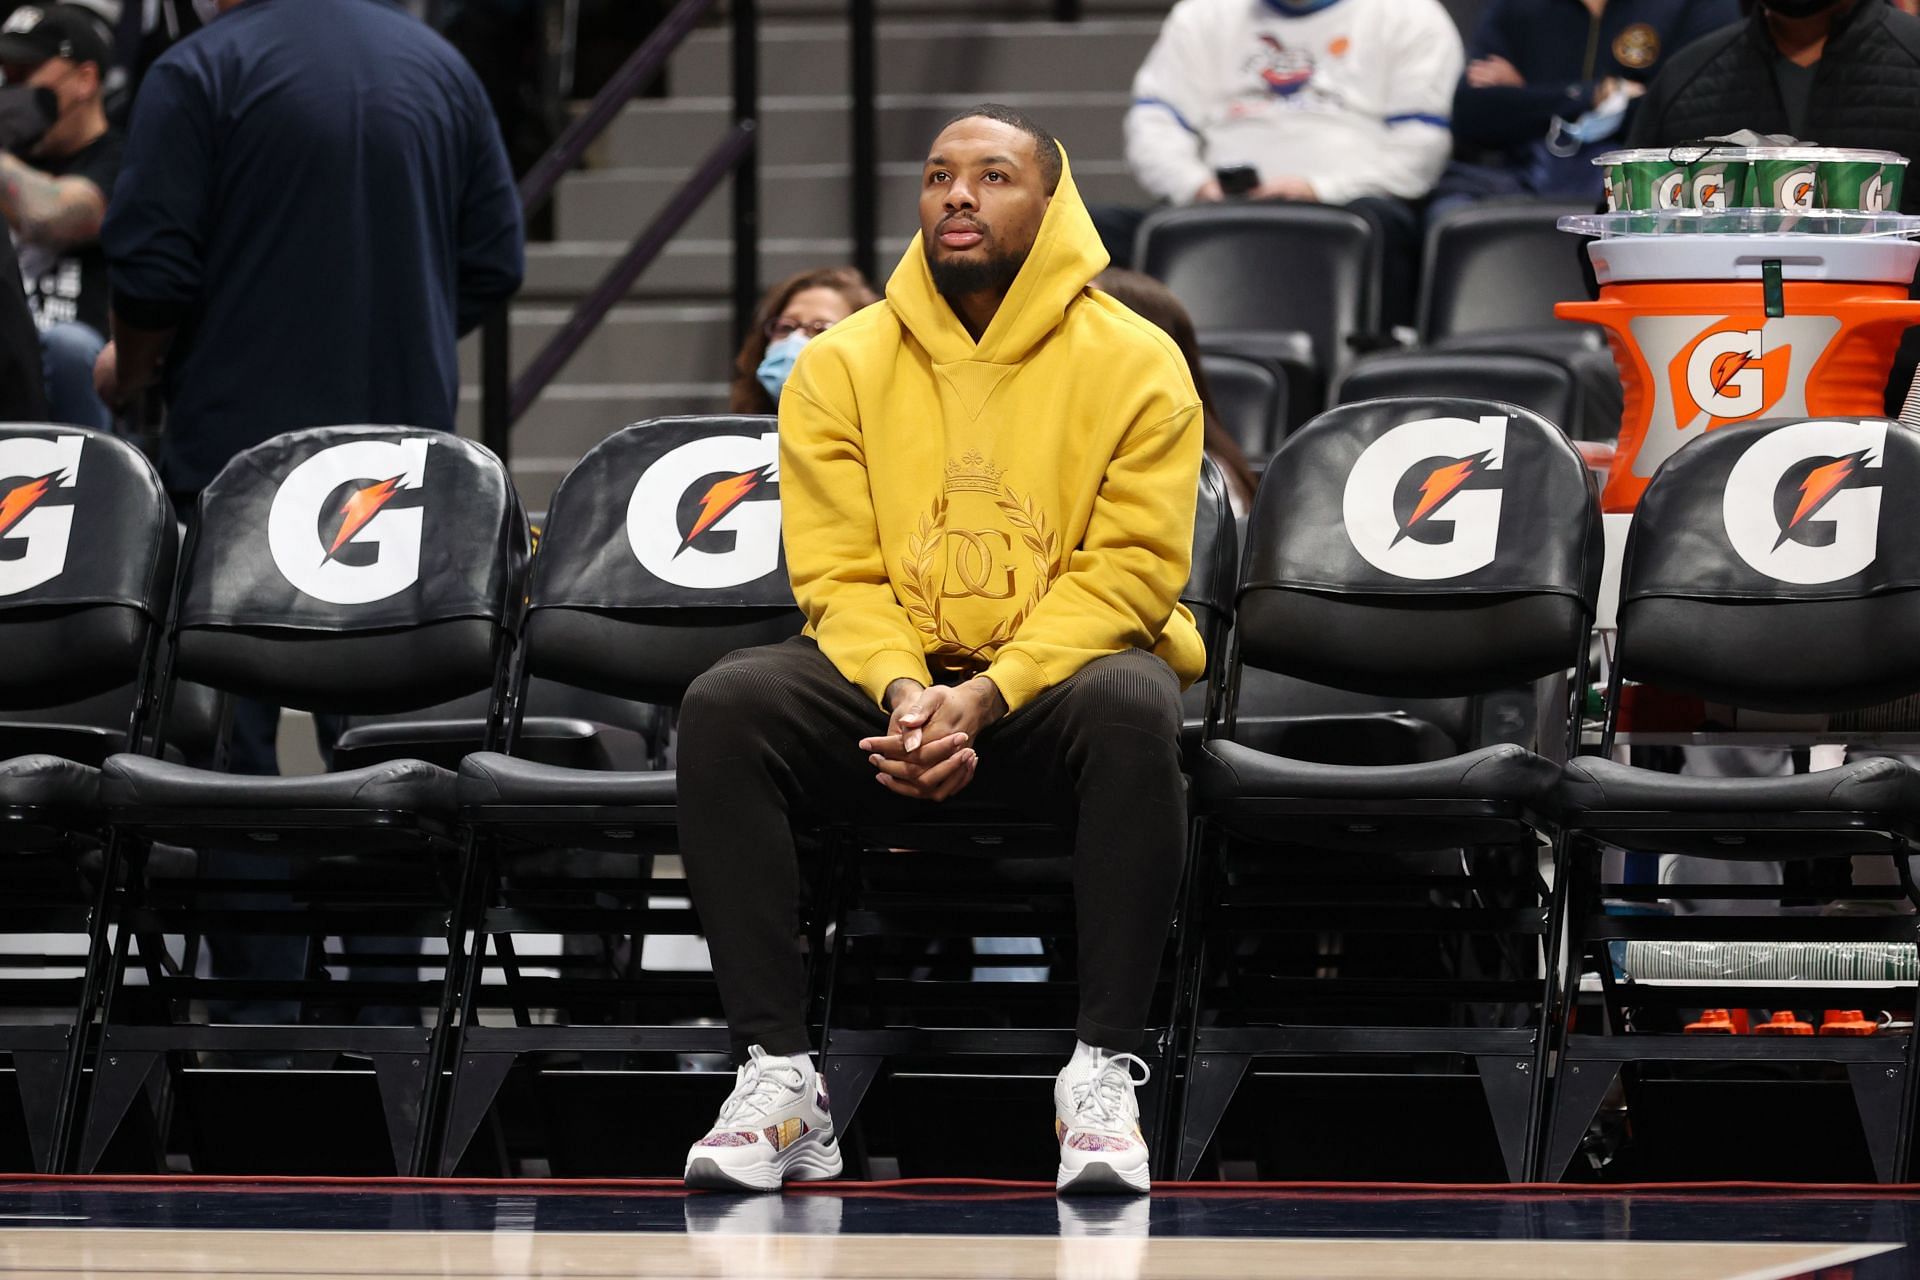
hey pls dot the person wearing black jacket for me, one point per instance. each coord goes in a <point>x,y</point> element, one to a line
<point>1840,73</point>
<point>1537,68</point>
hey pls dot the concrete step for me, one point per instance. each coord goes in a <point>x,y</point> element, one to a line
<point>678,132</point>
<point>796,201</point>
<point>636,343</point>
<point>979,58</point>
<point>689,269</point>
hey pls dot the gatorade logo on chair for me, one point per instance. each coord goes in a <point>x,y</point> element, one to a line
<point>345,526</point>
<point>1423,501</point>
<point>36,517</point>
<point>1803,504</point>
<point>707,515</point>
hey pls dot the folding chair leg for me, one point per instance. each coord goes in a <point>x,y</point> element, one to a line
<point>1556,1006</point>
<point>95,982</point>
<point>1212,1081</point>
<point>403,1082</point>
<point>1878,1094</point>
<point>458,990</point>
<point>477,1078</point>
<point>848,1079</point>
<point>1509,1087</point>
<point>1578,1092</point>
<point>40,1078</point>
<point>118,1078</point>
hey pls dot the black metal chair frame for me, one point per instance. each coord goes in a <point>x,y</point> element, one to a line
<point>1882,1069</point>
<point>408,1062</point>
<point>852,1058</point>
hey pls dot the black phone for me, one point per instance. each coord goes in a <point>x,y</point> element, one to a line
<point>1238,180</point>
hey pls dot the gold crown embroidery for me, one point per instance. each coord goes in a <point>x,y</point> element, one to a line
<point>974,474</point>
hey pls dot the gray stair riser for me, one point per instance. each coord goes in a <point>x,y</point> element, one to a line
<point>673,133</point>
<point>689,269</point>
<point>679,344</point>
<point>568,425</point>
<point>615,205</point>
<point>984,58</point>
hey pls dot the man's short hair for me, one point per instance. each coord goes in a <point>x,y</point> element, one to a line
<point>1044,145</point>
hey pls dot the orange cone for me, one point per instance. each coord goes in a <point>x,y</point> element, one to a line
<point>1784,1023</point>
<point>1847,1022</point>
<point>1713,1022</point>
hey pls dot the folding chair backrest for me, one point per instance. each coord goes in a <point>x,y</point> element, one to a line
<point>1216,560</point>
<point>352,569</point>
<point>88,545</point>
<point>1544,385</point>
<point>1302,268</point>
<point>1500,267</point>
<point>1251,398</point>
<point>1424,547</point>
<point>661,555</point>
<point>1777,566</point>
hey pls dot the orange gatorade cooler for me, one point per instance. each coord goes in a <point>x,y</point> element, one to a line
<point>1771,315</point>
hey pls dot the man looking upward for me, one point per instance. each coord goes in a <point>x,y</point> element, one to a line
<point>987,486</point>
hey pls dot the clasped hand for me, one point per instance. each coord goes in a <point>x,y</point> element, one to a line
<point>928,750</point>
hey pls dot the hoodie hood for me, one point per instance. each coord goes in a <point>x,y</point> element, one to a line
<point>1066,256</point>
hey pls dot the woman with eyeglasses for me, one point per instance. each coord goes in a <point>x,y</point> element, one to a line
<point>792,314</point>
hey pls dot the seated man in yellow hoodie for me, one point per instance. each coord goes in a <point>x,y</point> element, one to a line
<point>987,485</point>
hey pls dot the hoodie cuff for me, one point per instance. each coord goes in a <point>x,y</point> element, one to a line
<point>879,672</point>
<point>1019,679</point>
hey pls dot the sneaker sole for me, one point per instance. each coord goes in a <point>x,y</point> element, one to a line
<point>804,1161</point>
<point>1100,1179</point>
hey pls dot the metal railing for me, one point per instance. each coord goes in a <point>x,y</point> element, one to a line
<point>504,399</point>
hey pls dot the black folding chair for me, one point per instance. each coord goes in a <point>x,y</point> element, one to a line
<point>1772,567</point>
<point>1539,383</point>
<point>899,985</point>
<point>1251,398</point>
<point>336,570</point>
<point>661,555</point>
<point>1440,547</point>
<point>1292,284</point>
<point>87,551</point>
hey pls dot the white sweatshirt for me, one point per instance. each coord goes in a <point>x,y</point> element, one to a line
<point>1353,96</point>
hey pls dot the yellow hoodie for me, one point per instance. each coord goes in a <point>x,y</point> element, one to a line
<point>1018,507</point>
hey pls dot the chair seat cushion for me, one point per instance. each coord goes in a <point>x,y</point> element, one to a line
<point>1877,785</point>
<point>1230,772</point>
<point>412,786</point>
<point>489,778</point>
<point>47,781</point>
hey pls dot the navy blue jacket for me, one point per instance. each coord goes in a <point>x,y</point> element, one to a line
<point>1564,52</point>
<point>315,195</point>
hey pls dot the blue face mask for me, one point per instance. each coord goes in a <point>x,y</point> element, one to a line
<point>777,366</point>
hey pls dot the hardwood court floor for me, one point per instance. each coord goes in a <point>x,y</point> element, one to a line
<point>150,1255</point>
<point>176,1228</point>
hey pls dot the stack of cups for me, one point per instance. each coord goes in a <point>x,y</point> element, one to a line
<point>1716,179</point>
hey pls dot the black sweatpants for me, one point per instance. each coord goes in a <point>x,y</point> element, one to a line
<point>771,736</point>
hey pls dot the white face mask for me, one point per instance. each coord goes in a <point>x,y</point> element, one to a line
<point>206,10</point>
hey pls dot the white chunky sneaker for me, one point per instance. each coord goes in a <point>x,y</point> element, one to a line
<point>1097,1122</point>
<point>773,1128</point>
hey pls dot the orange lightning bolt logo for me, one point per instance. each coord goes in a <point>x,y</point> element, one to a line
<point>23,498</point>
<point>362,506</point>
<point>1442,483</point>
<point>1820,486</point>
<point>721,497</point>
<point>1728,368</point>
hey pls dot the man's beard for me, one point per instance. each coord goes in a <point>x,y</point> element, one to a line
<point>964,279</point>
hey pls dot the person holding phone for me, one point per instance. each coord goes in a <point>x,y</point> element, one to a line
<point>1334,101</point>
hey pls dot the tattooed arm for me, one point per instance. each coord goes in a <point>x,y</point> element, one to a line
<point>53,213</point>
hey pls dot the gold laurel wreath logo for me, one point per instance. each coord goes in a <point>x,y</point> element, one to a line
<point>921,576</point>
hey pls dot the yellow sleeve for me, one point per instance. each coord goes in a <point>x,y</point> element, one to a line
<point>1121,584</point>
<point>833,550</point>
